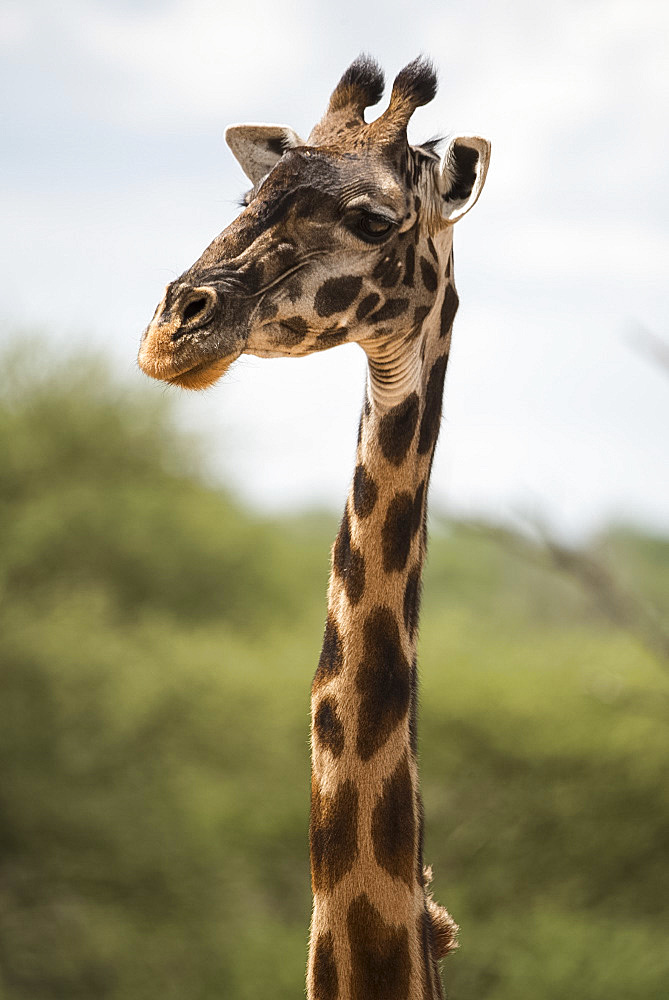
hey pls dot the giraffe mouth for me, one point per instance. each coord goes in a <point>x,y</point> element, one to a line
<point>162,359</point>
<point>202,375</point>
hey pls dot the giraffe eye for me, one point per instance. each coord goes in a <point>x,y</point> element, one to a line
<point>373,228</point>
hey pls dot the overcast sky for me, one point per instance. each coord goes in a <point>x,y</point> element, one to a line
<point>116,176</point>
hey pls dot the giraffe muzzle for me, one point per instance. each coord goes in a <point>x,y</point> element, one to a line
<point>180,345</point>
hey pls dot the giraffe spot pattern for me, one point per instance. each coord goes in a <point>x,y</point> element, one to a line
<point>380,960</point>
<point>293,330</point>
<point>325,979</point>
<point>328,727</point>
<point>431,247</point>
<point>337,294</point>
<point>397,532</point>
<point>292,288</point>
<point>394,825</point>
<point>397,429</point>
<point>366,305</point>
<point>430,422</point>
<point>391,309</point>
<point>420,314</point>
<point>383,681</point>
<point>409,266</point>
<point>387,271</point>
<point>449,307</point>
<point>333,833</point>
<point>365,492</point>
<point>428,274</point>
<point>331,338</point>
<point>411,604</point>
<point>349,563</point>
<point>332,657</point>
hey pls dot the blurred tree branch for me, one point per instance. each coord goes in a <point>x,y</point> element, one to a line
<point>614,600</point>
<point>623,608</point>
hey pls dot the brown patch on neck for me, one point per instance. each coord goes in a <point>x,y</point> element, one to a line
<point>394,825</point>
<point>380,961</point>
<point>333,835</point>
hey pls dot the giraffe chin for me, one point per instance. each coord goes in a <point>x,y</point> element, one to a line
<point>201,376</point>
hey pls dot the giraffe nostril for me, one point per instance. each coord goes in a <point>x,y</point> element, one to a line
<point>194,311</point>
<point>194,308</point>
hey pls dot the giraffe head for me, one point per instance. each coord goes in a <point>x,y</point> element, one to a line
<point>338,240</point>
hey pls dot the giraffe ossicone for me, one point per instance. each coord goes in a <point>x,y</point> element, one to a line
<point>347,237</point>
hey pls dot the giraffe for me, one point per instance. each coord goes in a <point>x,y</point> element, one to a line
<point>348,237</point>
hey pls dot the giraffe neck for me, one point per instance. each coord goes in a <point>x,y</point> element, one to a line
<point>375,933</point>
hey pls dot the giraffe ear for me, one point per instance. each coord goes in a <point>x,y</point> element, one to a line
<point>259,147</point>
<point>462,176</point>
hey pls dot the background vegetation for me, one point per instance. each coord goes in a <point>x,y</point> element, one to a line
<point>156,648</point>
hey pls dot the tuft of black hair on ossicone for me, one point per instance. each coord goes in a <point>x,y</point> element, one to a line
<point>416,83</point>
<point>361,84</point>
